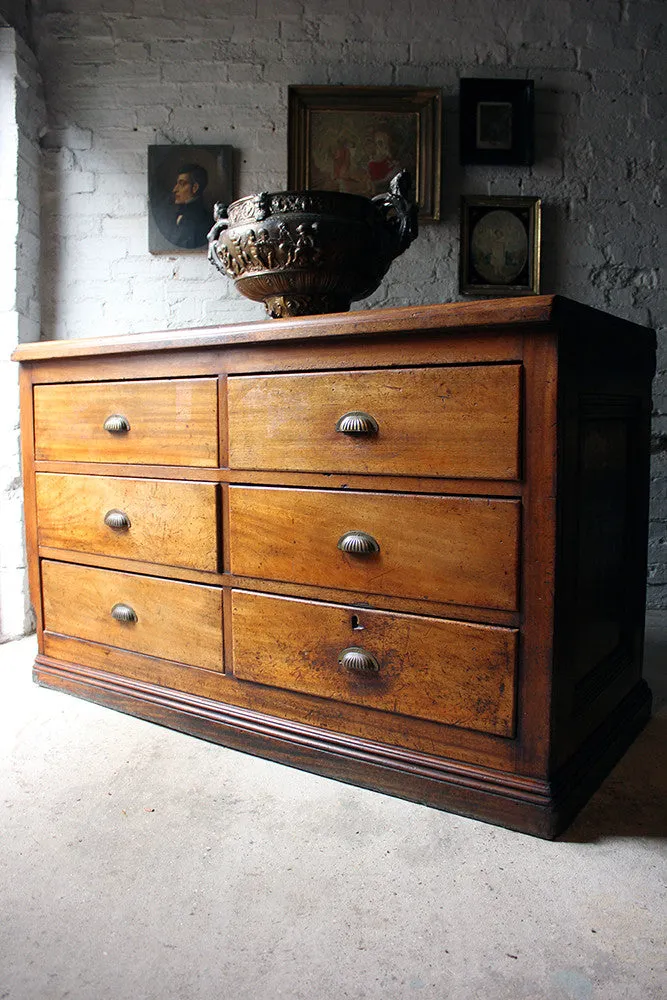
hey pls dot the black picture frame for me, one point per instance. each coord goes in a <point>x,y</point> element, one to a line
<point>496,121</point>
<point>500,246</point>
<point>168,230</point>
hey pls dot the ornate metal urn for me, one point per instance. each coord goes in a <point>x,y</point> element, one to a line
<point>311,252</point>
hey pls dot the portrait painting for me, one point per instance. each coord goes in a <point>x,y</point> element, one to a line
<point>184,183</point>
<point>355,139</point>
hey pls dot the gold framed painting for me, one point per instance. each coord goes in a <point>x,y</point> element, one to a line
<point>355,139</point>
<point>500,245</point>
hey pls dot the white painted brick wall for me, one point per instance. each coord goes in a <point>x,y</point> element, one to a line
<point>21,118</point>
<point>127,73</point>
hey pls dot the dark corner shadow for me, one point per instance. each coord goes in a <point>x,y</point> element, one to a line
<point>632,801</point>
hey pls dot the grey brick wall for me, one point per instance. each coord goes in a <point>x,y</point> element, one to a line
<point>21,119</point>
<point>127,73</point>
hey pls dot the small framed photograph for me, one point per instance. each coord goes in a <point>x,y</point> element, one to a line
<point>355,139</point>
<point>184,183</point>
<point>500,246</point>
<point>497,121</point>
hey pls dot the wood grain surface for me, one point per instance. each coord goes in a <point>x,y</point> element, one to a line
<point>461,550</point>
<point>445,671</point>
<point>458,421</point>
<point>171,523</point>
<point>171,422</point>
<point>176,621</point>
<point>533,310</point>
<point>503,316</point>
<point>491,616</point>
<point>439,347</point>
<point>395,484</point>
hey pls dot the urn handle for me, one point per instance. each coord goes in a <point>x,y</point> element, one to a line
<point>221,222</point>
<point>399,211</point>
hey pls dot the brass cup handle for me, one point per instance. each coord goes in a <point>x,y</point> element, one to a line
<point>357,422</point>
<point>124,613</point>
<point>358,543</point>
<point>359,659</point>
<point>117,519</point>
<point>117,424</point>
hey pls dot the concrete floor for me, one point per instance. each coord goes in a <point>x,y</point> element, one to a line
<point>139,863</point>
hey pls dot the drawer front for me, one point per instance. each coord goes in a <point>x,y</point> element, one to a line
<point>457,550</point>
<point>159,521</point>
<point>427,668</point>
<point>174,621</point>
<point>460,422</point>
<point>171,422</point>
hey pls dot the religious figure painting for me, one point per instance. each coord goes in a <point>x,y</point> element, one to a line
<point>360,154</point>
<point>184,183</point>
<point>355,139</point>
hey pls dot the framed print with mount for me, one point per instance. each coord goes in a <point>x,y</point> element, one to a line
<point>355,139</point>
<point>500,246</point>
<point>496,121</point>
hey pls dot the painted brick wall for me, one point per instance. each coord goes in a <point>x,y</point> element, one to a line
<point>21,118</point>
<point>122,74</point>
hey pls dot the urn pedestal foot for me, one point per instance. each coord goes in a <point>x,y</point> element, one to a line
<point>280,306</point>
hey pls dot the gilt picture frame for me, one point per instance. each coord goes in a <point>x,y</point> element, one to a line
<point>500,246</point>
<point>355,139</point>
<point>496,121</point>
<point>184,183</point>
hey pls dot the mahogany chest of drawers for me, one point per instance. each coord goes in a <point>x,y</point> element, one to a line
<point>404,548</point>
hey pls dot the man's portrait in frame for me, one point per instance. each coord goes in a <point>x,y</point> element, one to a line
<point>184,183</point>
